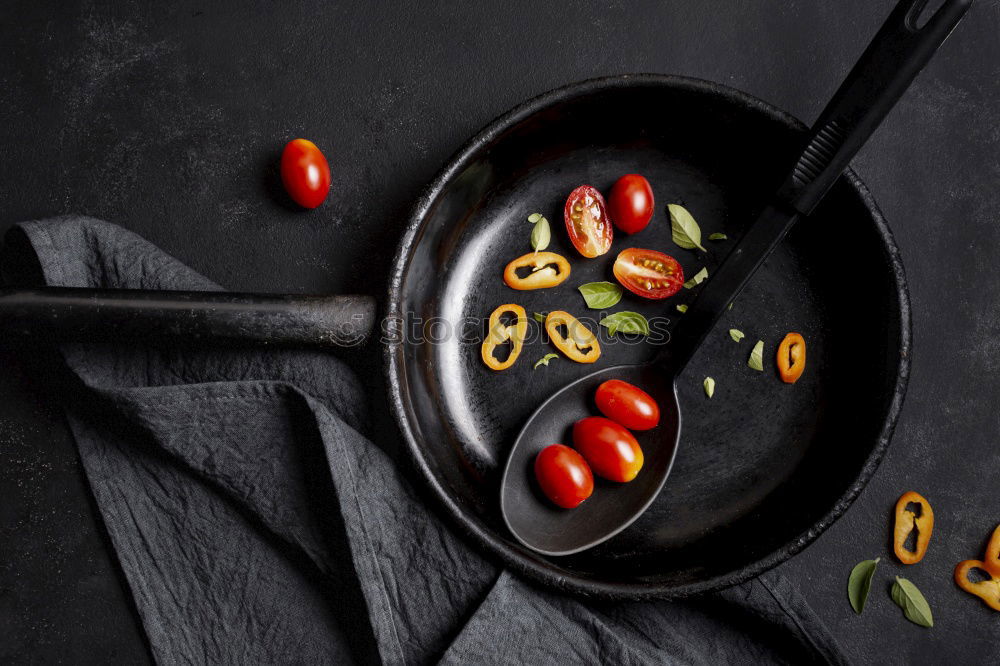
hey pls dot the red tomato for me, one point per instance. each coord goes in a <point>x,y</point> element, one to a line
<point>631,203</point>
<point>587,222</point>
<point>563,475</point>
<point>610,450</point>
<point>649,273</point>
<point>627,405</point>
<point>305,173</point>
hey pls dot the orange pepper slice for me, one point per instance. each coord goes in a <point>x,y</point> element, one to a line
<point>906,521</point>
<point>547,270</point>
<point>987,590</point>
<point>500,333</point>
<point>579,344</point>
<point>791,358</point>
<point>991,561</point>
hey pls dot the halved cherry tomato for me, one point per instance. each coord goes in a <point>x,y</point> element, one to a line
<point>587,222</point>
<point>631,203</point>
<point>579,344</point>
<point>305,173</point>
<point>991,561</point>
<point>611,451</point>
<point>791,358</point>
<point>547,270</point>
<point>649,273</point>
<point>500,333</point>
<point>564,476</point>
<point>627,404</point>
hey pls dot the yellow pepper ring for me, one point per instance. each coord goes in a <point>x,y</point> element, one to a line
<point>542,273</point>
<point>578,337</point>
<point>500,333</point>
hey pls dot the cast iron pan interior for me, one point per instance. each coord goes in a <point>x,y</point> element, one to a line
<point>763,467</point>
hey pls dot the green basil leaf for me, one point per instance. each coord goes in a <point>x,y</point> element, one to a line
<point>915,607</point>
<point>736,334</point>
<point>539,317</point>
<point>534,217</point>
<point>541,235</point>
<point>626,322</point>
<point>600,295</point>
<point>544,360</point>
<point>683,229</point>
<point>718,236</point>
<point>698,278</point>
<point>860,583</point>
<point>757,356</point>
<point>682,308</point>
<point>709,385</point>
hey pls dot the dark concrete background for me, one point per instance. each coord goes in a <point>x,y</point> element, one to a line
<point>168,120</point>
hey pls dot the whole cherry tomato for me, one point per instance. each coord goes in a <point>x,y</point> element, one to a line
<point>627,405</point>
<point>305,173</point>
<point>611,451</point>
<point>631,203</point>
<point>649,273</point>
<point>564,476</point>
<point>587,222</point>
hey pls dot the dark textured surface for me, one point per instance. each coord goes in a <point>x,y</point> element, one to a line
<point>168,120</point>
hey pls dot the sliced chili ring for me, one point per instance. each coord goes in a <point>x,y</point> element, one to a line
<point>906,521</point>
<point>791,358</point>
<point>500,333</point>
<point>547,270</point>
<point>987,590</point>
<point>991,561</point>
<point>579,344</point>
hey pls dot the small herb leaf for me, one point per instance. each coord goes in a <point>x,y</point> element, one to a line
<point>600,295</point>
<point>682,308</point>
<point>736,334</point>
<point>541,235</point>
<point>915,607</point>
<point>709,384</point>
<point>698,278</point>
<point>534,217</point>
<point>545,360</point>
<point>718,236</point>
<point>757,357</point>
<point>683,229</point>
<point>626,322</point>
<point>860,583</point>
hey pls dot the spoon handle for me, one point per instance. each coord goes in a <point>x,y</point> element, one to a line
<point>885,70</point>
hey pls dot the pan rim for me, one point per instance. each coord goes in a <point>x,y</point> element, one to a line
<point>524,561</point>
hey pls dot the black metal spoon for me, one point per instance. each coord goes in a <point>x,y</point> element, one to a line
<point>887,67</point>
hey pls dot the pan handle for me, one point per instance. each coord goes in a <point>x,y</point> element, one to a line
<point>882,74</point>
<point>63,314</point>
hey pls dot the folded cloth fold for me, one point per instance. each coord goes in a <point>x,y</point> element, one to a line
<point>256,523</point>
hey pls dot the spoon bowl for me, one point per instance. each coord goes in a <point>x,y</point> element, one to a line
<point>547,529</point>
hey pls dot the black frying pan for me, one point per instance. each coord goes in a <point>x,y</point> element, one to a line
<point>763,468</point>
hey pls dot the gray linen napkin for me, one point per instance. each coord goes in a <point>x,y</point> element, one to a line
<point>255,523</point>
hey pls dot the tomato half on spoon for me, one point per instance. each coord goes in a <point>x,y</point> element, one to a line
<point>611,451</point>
<point>649,273</point>
<point>587,222</point>
<point>627,404</point>
<point>564,476</point>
